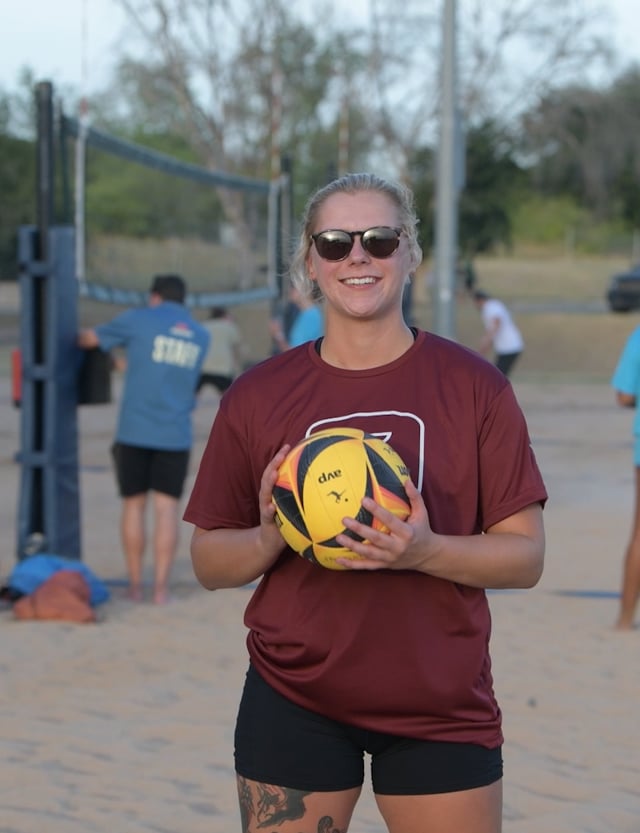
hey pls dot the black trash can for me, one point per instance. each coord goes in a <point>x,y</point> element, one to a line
<point>94,377</point>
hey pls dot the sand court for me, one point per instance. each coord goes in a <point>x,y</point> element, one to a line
<point>127,725</point>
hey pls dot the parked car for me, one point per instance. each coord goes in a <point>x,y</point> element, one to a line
<point>623,293</point>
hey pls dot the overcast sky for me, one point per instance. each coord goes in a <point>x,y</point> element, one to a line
<point>48,37</point>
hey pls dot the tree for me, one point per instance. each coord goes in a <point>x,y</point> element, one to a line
<point>214,63</point>
<point>510,53</point>
<point>17,171</point>
<point>584,141</point>
<point>211,83</point>
<point>17,181</point>
<point>492,182</point>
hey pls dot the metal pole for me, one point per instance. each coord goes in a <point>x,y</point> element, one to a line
<point>44,208</point>
<point>38,329</point>
<point>446,224</point>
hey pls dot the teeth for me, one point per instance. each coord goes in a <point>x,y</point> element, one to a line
<point>359,281</point>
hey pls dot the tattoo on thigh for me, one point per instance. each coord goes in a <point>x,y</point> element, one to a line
<point>273,806</point>
<point>325,825</point>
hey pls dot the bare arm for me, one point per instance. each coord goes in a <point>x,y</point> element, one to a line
<point>509,554</point>
<point>87,339</point>
<point>230,557</point>
<point>234,557</point>
<point>625,400</point>
<point>486,341</point>
<point>277,334</point>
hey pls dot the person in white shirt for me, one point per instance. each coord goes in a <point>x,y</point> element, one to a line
<point>501,332</point>
<point>226,353</point>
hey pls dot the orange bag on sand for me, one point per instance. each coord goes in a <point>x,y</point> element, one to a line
<point>62,597</point>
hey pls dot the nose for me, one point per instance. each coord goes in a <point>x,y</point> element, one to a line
<point>358,252</point>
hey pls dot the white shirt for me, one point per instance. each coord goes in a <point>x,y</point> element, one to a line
<point>507,338</point>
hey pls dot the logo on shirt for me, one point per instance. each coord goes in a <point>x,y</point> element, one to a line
<point>182,330</point>
<point>175,351</point>
<point>403,431</point>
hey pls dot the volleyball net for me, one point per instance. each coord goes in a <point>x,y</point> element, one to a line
<point>139,212</point>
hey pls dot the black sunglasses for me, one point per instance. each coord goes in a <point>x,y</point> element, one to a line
<point>335,244</point>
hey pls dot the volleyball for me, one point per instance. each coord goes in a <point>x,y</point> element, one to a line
<point>324,478</point>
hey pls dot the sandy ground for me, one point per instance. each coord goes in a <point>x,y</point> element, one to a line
<point>126,726</point>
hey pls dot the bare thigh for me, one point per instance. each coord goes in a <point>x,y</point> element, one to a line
<point>468,811</point>
<point>267,807</point>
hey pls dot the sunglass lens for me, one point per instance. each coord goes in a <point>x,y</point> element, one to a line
<point>333,245</point>
<point>381,242</point>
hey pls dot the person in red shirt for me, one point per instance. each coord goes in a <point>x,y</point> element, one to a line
<point>388,659</point>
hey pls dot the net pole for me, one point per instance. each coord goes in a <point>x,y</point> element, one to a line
<point>274,269</point>
<point>80,180</point>
<point>446,225</point>
<point>344,128</point>
<point>273,237</point>
<point>80,158</point>
<point>276,117</point>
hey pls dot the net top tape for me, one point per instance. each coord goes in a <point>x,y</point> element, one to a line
<point>161,161</point>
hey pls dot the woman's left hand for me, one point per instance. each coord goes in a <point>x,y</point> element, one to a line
<point>402,547</point>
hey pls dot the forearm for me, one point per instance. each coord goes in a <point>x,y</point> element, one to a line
<point>493,560</point>
<point>510,554</point>
<point>229,557</point>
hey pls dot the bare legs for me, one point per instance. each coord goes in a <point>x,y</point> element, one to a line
<point>265,806</point>
<point>472,811</point>
<point>132,533</point>
<point>165,541</point>
<point>631,570</point>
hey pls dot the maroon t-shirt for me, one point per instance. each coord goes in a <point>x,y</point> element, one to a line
<point>393,651</point>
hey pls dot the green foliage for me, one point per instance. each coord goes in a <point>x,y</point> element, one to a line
<point>204,93</point>
<point>547,220</point>
<point>17,198</point>
<point>561,224</point>
<point>584,142</point>
<point>493,181</point>
<point>124,198</point>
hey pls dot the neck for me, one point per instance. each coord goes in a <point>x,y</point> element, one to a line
<point>364,345</point>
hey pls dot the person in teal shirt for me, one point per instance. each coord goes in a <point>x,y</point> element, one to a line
<point>626,383</point>
<point>308,324</point>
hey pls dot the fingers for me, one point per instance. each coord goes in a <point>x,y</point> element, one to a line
<point>384,541</point>
<point>268,481</point>
<point>387,541</point>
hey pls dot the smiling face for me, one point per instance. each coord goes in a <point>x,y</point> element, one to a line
<point>360,286</point>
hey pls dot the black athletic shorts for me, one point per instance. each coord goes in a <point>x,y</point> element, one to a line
<point>140,470</point>
<point>280,743</point>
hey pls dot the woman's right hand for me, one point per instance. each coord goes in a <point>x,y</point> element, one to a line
<point>269,536</point>
<point>227,557</point>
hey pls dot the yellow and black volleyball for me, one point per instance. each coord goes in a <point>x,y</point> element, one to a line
<point>324,478</point>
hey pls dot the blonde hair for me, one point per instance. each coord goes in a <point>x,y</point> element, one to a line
<point>398,194</point>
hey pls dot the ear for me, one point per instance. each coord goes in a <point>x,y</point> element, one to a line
<point>311,272</point>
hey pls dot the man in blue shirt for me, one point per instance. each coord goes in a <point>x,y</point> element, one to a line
<point>626,383</point>
<point>165,348</point>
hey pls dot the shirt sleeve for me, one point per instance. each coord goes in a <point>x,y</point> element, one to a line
<point>115,333</point>
<point>510,476</point>
<point>626,376</point>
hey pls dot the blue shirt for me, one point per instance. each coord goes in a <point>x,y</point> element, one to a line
<point>165,349</point>
<point>626,377</point>
<point>308,325</point>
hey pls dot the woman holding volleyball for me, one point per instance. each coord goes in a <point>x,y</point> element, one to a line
<point>388,658</point>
